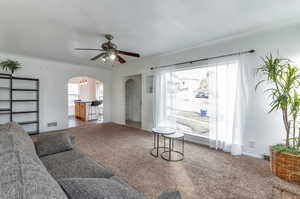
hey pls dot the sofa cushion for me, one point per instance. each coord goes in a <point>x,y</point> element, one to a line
<point>74,164</point>
<point>6,143</point>
<point>21,140</point>
<point>53,143</point>
<point>164,195</point>
<point>97,188</point>
<point>24,177</point>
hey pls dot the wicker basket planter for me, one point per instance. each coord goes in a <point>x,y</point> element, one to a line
<point>286,166</point>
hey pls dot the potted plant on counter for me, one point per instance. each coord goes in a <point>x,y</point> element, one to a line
<point>282,79</point>
<point>10,65</point>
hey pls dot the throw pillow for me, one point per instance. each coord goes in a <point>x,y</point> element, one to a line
<point>53,143</point>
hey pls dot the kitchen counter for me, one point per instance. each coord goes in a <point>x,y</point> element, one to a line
<point>81,109</point>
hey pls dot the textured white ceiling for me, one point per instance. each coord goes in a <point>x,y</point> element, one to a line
<point>51,29</point>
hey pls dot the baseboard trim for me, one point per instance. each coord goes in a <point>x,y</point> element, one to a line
<point>252,155</point>
<point>201,141</point>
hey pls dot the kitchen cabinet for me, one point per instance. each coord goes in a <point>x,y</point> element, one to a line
<point>81,110</point>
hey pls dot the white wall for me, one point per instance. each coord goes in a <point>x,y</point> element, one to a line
<point>54,78</point>
<point>88,91</point>
<point>262,128</point>
<point>133,97</point>
<point>92,89</point>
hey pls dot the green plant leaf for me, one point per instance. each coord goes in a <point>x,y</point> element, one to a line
<point>10,65</point>
<point>284,81</point>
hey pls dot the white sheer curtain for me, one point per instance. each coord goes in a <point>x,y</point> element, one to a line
<point>164,98</point>
<point>228,98</point>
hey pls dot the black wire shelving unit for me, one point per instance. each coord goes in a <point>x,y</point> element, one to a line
<point>10,111</point>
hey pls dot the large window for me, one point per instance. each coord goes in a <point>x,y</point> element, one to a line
<point>73,94</point>
<point>208,102</point>
<point>192,100</point>
<point>99,90</point>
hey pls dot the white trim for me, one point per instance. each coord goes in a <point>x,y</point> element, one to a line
<point>252,155</point>
<point>196,139</point>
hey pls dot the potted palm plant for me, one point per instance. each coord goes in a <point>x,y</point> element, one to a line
<point>10,65</point>
<point>283,79</point>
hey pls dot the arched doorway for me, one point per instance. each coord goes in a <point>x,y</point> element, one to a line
<point>133,101</point>
<point>85,101</point>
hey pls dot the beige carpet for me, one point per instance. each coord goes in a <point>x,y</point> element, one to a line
<point>204,173</point>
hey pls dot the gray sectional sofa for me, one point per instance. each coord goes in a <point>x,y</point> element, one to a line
<point>53,168</point>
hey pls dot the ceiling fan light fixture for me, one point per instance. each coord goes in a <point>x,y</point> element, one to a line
<point>110,52</point>
<point>103,59</point>
<point>83,82</point>
<point>112,57</point>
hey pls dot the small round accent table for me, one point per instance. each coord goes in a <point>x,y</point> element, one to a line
<point>157,132</point>
<point>174,153</point>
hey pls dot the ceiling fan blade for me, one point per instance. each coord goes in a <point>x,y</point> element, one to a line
<point>120,59</point>
<point>98,56</point>
<point>128,53</point>
<point>89,49</point>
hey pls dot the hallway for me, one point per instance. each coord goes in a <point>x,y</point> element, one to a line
<point>134,124</point>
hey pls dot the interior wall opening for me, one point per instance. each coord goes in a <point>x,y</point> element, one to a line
<point>85,101</point>
<point>133,101</point>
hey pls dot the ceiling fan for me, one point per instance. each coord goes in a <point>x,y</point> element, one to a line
<point>110,51</point>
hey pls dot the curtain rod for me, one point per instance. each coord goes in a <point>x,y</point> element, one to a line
<point>204,59</point>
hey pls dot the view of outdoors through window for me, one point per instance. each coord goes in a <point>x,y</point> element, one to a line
<point>99,90</point>
<point>73,93</point>
<point>192,99</point>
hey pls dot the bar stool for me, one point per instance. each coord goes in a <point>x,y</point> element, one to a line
<point>94,109</point>
<point>173,154</point>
